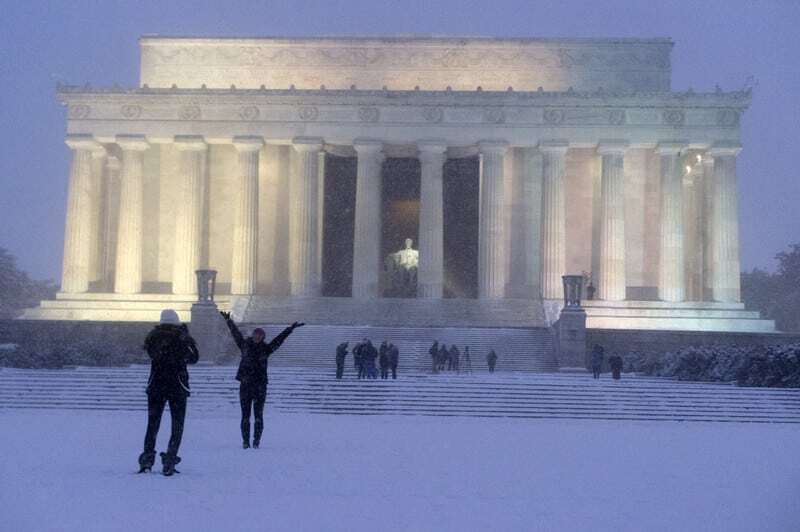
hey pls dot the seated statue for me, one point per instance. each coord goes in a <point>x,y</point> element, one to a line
<point>401,271</point>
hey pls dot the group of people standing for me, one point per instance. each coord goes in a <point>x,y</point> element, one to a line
<point>450,359</point>
<point>365,356</point>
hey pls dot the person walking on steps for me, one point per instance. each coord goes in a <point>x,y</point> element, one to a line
<point>383,359</point>
<point>597,360</point>
<point>467,360</point>
<point>341,355</point>
<point>252,375</point>
<point>491,360</point>
<point>615,361</point>
<point>394,359</point>
<point>170,348</point>
<point>455,357</point>
<point>434,352</point>
<point>444,355</point>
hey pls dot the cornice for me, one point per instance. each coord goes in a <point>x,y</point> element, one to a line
<point>738,99</point>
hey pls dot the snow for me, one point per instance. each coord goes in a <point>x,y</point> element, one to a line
<point>74,471</point>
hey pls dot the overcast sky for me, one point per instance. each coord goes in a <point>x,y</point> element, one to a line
<point>716,42</point>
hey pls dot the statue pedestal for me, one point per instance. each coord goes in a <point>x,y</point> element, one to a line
<point>571,338</point>
<point>206,330</point>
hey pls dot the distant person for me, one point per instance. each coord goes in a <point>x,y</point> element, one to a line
<point>252,375</point>
<point>383,360</point>
<point>615,361</point>
<point>170,348</point>
<point>371,356</point>
<point>491,360</point>
<point>434,352</point>
<point>444,355</point>
<point>341,355</point>
<point>359,355</point>
<point>455,355</point>
<point>394,359</point>
<point>597,360</point>
<point>467,360</point>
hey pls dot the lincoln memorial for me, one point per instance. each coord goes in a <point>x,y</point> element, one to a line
<point>405,181</point>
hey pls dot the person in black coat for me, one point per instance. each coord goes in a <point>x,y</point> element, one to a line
<point>597,360</point>
<point>170,348</point>
<point>371,355</point>
<point>394,359</point>
<point>360,359</point>
<point>434,352</point>
<point>252,375</point>
<point>491,360</point>
<point>616,363</point>
<point>341,355</point>
<point>383,359</point>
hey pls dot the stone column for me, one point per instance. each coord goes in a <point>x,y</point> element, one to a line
<point>189,215</point>
<point>97,209</point>
<point>111,219</point>
<point>725,283</point>
<point>430,276</point>
<point>77,239</point>
<point>244,262</point>
<point>367,227</point>
<point>611,277</point>
<point>708,193</point>
<point>128,270</point>
<point>491,248</point>
<point>671,276</point>
<point>553,218</point>
<point>303,229</point>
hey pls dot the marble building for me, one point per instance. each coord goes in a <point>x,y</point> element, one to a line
<point>295,166</point>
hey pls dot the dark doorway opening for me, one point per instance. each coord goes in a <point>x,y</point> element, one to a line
<point>338,226</point>
<point>461,191</point>
<point>400,208</point>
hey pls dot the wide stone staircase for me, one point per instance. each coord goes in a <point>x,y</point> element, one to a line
<point>477,394</point>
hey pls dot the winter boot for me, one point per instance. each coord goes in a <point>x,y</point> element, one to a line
<point>146,461</point>
<point>245,444</point>
<point>169,462</point>
<point>256,443</point>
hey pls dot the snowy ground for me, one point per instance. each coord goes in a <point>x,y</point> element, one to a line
<point>74,471</point>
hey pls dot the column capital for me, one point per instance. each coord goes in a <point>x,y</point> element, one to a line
<point>132,142</point>
<point>367,146</point>
<point>612,147</point>
<point>306,144</point>
<point>671,147</point>
<point>190,143</point>
<point>707,160</point>
<point>493,146</point>
<point>725,149</point>
<point>82,142</point>
<point>432,146</point>
<point>554,146</point>
<point>99,152</point>
<point>248,144</point>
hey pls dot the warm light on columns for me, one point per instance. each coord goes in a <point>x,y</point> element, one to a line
<point>367,227</point>
<point>611,277</point>
<point>430,280</point>
<point>244,261</point>
<point>553,218</point>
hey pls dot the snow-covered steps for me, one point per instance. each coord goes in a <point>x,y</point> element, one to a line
<point>519,349</point>
<point>480,394</point>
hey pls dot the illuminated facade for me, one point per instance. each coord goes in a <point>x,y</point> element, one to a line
<point>286,165</point>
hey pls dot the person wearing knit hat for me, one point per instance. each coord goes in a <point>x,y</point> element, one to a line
<point>170,348</point>
<point>252,375</point>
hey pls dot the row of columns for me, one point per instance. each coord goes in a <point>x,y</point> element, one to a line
<point>305,275</point>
